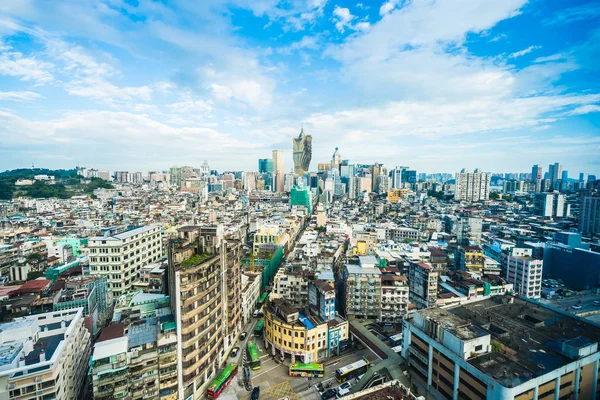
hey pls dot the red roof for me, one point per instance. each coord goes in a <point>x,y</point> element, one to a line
<point>112,331</point>
<point>34,286</point>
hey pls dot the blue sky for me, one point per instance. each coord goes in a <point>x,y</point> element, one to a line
<point>436,85</point>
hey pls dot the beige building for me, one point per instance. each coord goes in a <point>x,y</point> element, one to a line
<point>303,338</point>
<point>44,356</point>
<point>120,253</point>
<point>205,283</point>
<point>270,234</point>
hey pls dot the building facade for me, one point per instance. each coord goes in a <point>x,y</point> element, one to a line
<point>44,356</point>
<point>524,272</point>
<point>302,153</point>
<point>472,186</point>
<point>589,215</point>
<point>120,253</point>
<point>423,284</point>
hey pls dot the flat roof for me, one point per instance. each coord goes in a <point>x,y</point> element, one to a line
<point>109,348</point>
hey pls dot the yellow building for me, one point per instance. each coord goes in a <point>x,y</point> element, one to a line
<point>269,235</point>
<point>393,196</point>
<point>302,338</point>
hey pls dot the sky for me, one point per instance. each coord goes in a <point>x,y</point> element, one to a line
<point>438,86</point>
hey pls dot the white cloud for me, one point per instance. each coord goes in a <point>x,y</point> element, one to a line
<point>19,96</point>
<point>580,13</point>
<point>387,7</point>
<point>101,90</point>
<point>192,107</point>
<point>342,18</point>
<point>29,69</point>
<point>523,52</point>
<point>306,43</point>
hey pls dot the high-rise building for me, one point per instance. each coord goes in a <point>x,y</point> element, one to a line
<point>362,289</point>
<point>469,258</point>
<point>520,269</point>
<point>205,291</point>
<point>44,356</point>
<point>589,215</point>
<point>551,205</point>
<point>472,186</point>
<point>278,163</point>
<point>336,160</point>
<point>581,177</point>
<point>266,165</point>
<point>120,253</point>
<point>302,153</point>
<point>205,169</point>
<point>554,172</point>
<point>536,173</point>
<point>376,171</point>
<point>564,175</point>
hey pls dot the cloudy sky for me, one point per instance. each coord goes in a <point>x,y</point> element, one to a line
<point>436,85</point>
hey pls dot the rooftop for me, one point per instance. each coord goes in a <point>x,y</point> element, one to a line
<point>531,339</point>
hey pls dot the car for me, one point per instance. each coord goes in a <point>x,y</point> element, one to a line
<point>343,390</point>
<point>328,394</point>
<point>345,385</point>
<point>576,307</point>
<point>255,313</point>
<point>243,336</point>
<point>234,352</point>
<point>255,393</point>
<point>284,398</point>
<point>596,302</point>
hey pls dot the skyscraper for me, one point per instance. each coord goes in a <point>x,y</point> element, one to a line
<point>336,160</point>
<point>565,175</point>
<point>536,173</point>
<point>302,153</point>
<point>278,163</point>
<point>472,186</point>
<point>265,165</point>
<point>554,172</point>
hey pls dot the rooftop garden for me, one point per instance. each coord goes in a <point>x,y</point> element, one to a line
<point>196,259</point>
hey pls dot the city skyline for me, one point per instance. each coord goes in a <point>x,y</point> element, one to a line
<point>117,86</point>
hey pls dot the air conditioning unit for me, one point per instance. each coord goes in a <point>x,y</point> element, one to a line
<point>39,379</point>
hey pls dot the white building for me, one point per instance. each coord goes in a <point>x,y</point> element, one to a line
<point>120,254</point>
<point>472,186</point>
<point>44,356</point>
<point>250,293</point>
<point>524,272</point>
<point>551,205</point>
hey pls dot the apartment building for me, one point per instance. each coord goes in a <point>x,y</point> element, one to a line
<point>269,235</point>
<point>552,205</point>
<point>44,356</point>
<point>472,186</point>
<point>520,269</point>
<point>321,299</point>
<point>251,282</point>
<point>589,215</point>
<point>423,284</point>
<point>292,286</point>
<point>136,356</point>
<point>394,295</point>
<point>302,338</point>
<point>362,289</point>
<point>502,348</point>
<point>205,289</point>
<point>120,253</point>
<point>469,258</point>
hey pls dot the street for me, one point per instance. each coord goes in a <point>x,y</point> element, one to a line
<point>586,303</point>
<point>273,377</point>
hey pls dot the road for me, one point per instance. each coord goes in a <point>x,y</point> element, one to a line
<point>275,382</point>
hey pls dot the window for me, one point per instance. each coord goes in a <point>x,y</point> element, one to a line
<point>478,347</point>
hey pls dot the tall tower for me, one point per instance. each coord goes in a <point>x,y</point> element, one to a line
<point>278,164</point>
<point>336,160</point>
<point>302,153</point>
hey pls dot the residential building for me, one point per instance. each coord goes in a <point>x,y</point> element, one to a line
<point>272,235</point>
<point>206,303</point>
<point>266,165</point>
<point>552,205</point>
<point>278,161</point>
<point>423,285</point>
<point>567,258</point>
<point>362,289</point>
<point>469,258</point>
<point>524,272</point>
<point>472,186</point>
<point>292,286</point>
<point>501,348</point>
<point>44,356</point>
<point>321,299</point>
<point>136,356</point>
<point>468,230</point>
<point>303,338</point>
<point>400,234</point>
<point>589,215</point>
<point>120,253</point>
<point>151,278</point>
<point>554,172</point>
<point>251,282</point>
<point>394,295</point>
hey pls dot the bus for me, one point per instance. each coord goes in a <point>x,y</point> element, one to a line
<point>307,370</point>
<point>352,370</point>
<point>221,382</point>
<point>258,329</point>
<point>253,357</point>
<point>262,299</point>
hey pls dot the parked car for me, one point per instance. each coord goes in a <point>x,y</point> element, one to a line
<point>243,336</point>
<point>596,302</point>
<point>328,394</point>
<point>343,389</point>
<point>255,393</point>
<point>235,351</point>
<point>576,307</point>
